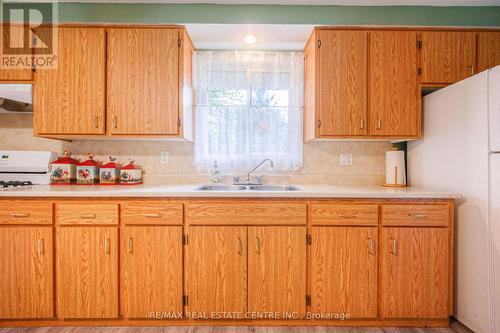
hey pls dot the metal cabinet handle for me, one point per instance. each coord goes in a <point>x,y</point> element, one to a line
<point>371,246</point>
<point>41,246</point>
<point>114,122</point>
<point>88,216</point>
<point>257,244</point>
<point>348,215</point>
<point>107,246</point>
<point>130,245</point>
<point>471,69</point>
<point>417,215</point>
<point>152,215</point>
<point>20,215</point>
<point>96,122</point>
<point>362,123</point>
<point>240,246</point>
<point>394,247</point>
<point>379,123</point>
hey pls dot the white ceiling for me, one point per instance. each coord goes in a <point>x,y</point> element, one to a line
<point>230,36</point>
<point>314,2</point>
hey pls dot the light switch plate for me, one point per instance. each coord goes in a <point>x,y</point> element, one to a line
<point>164,157</point>
<point>345,159</point>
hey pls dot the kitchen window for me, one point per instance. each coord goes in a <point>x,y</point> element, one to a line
<point>248,107</point>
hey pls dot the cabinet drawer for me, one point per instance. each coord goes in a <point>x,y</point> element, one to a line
<point>25,212</point>
<point>152,212</point>
<point>246,213</point>
<point>344,214</point>
<point>85,214</point>
<point>416,215</point>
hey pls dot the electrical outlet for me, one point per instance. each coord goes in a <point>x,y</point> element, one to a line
<point>164,157</point>
<point>345,159</point>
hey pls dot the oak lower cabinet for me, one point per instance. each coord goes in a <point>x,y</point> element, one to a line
<point>26,271</point>
<point>151,270</point>
<point>87,272</point>
<point>277,270</point>
<point>414,272</point>
<point>446,56</point>
<point>223,260</point>
<point>216,269</point>
<point>344,268</point>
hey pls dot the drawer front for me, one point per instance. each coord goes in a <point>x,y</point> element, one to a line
<point>344,214</point>
<point>152,212</point>
<point>246,213</point>
<point>87,214</point>
<point>416,215</point>
<point>25,212</point>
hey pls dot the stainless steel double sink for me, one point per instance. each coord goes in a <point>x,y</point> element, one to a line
<point>268,188</point>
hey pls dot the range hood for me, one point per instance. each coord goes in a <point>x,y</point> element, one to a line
<point>16,98</point>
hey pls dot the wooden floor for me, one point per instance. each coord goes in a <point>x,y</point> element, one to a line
<point>455,328</point>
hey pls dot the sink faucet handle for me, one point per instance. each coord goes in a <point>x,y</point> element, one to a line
<point>236,179</point>
<point>259,179</point>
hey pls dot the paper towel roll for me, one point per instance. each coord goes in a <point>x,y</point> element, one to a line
<point>395,172</point>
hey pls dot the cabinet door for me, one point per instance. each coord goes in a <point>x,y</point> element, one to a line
<point>12,35</point>
<point>71,98</point>
<point>277,270</point>
<point>393,90</point>
<point>414,273</point>
<point>342,82</point>
<point>344,271</point>
<point>143,81</point>
<point>447,56</point>
<point>488,50</point>
<point>26,286</point>
<point>151,264</point>
<point>87,272</point>
<point>216,269</point>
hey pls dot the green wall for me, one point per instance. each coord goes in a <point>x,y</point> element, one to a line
<point>276,14</point>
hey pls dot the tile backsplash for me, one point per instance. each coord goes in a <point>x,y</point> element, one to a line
<point>321,159</point>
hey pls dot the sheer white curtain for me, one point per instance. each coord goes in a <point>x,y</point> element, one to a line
<point>248,107</point>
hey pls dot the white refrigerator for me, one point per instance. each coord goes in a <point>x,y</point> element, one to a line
<point>460,152</point>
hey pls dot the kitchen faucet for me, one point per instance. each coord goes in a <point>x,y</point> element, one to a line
<point>259,179</point>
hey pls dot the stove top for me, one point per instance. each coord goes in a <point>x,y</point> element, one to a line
<point>6,184</point>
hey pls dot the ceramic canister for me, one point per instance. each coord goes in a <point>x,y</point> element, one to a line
<point>63,170</point>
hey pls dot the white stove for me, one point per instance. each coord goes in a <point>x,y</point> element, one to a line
<point>25,168</point>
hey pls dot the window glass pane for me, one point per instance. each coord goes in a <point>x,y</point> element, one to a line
<point>227,97</point>
<point>276,98</point>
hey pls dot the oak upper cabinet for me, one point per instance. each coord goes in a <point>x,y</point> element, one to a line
<point>143,81</point>
<point>414,272</point>
<point>26,270</point>
<point>446,56</point>
<point>151,270</point>
<point>216,269</point>
<point>488,50</point>
<point>344,270</point>
<point>13,35</point>
<point>71,98</point>
<point>277,270</point>
<point>341,82</point>
<point>392,90</point>
<point>87,272</point>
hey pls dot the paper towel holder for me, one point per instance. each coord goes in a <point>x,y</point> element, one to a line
<point>396,173</point>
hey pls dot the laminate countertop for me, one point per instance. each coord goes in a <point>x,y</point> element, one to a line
<point>190,191</point>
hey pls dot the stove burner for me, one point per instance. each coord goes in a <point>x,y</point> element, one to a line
<point>5,184</point>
